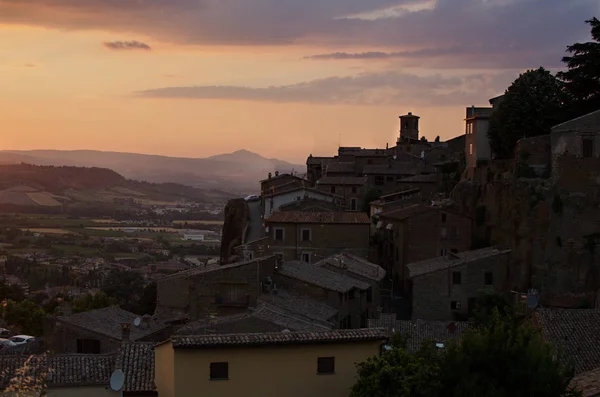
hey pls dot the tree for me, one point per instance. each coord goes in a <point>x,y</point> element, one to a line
<point>532,105</point>
<point>486,307</point>
<point>92,302</point>
<point>24,316</point>
<point>582,78</point>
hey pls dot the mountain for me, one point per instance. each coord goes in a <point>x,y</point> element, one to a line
<point>238,172</point>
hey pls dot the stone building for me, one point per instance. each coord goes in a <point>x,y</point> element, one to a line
<point>315,168</point>
<point>579,137</point>
<point>350,296</point>
<point>386,177</point>
<point>213,290</point>
<point>274,201</point>
<point>350,188</point>
<point>361,269</point>
<point>428,185</point>
<point>445,288</point>
<point>312,236</point>
<point>416,233</point>
<point>100,331</point>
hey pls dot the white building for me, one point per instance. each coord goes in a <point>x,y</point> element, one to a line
<point>276,200</point>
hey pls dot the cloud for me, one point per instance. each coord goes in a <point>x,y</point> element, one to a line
<point>385,88</point>
<point>126,45</point>
<point>28,65</point>
<point>514,29</point>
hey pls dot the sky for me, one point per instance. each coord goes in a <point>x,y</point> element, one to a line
<point>283,78</point>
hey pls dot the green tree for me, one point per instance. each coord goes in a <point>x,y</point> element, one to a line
<point>582,77</point>
<point>532,105</point>
<point>487,306</point>
<point>12,292</point>
<point>24,317</point>
<point>92,302</point>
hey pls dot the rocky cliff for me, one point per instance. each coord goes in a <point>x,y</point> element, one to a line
<point>234,227</point>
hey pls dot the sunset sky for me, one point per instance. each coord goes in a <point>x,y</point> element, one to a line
<point>282,78</point>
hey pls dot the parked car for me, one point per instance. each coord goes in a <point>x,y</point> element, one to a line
<point>6,344</point>
<point>252,197</point>
<point>19,340</point>
<point>4,333</point>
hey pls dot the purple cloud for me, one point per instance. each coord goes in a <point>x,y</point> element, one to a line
<point>126,45</point>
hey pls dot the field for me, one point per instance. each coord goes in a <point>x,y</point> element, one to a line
<point>105,221</point>
<point>197,222</point>
<point>141,229</point>
<point>47,230</point>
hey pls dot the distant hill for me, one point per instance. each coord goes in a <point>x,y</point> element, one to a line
<point>56,186</point>
<point>238,172</point>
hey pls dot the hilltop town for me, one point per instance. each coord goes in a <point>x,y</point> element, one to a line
<point>399,270</point>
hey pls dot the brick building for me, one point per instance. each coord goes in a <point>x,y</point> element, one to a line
<point>312,236</point>
<point>359,268</point>
<point>445,288</point>
<point>350,296</point>
<point>416,233</point>
<point>100,331</point>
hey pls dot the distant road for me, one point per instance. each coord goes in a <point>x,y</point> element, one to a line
<point>255,229</point>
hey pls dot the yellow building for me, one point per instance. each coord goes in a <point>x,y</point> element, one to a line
<point>270,364</point>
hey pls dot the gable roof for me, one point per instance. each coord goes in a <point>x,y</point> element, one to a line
<point>280,338</point>
<point>394,168</point>
<point>424,178</point>
<point>214,267</point>
<point>320,277</point>
<point>587,123</point>
<point>407,212</point>
<point>575,333</point>
<point>107,321</point>
<point>281,176</point>
<point>318,217</point>
<point>60,370</point>
<point>353,264</point>
<point>297,188</point>
<point>136,360</point>
<point>452,260</point>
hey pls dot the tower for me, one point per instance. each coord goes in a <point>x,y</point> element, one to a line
<point>409,128</point>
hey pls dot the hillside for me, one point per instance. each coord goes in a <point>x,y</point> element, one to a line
<point>237,172</point>
<point>49,186</point>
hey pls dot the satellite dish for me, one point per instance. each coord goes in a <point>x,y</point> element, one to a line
<point>395,157</point>
<point>117,379</point>
<point>137,321</point>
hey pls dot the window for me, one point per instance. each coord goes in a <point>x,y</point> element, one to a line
<point>326,365</point>
<point>454,251</point>
<point>443,252</point>
<point>332,189</point>
<point>305,257</point>
<point>470,148</point>
<point>389,178</point>
<point>587,147</point>
<point>456,278</point>
<point>354,189</point>
<point>305,234</point>
<point>369,295</point>
<point>455,305</point>
<point>88,346</point>
<point>489,278</point>
<point>219,371</point>
<point>279,236</point>
<point>444,217</point>
<point>379,180</point>
<point>353,204</point>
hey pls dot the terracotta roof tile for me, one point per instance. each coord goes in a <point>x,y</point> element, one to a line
<point>280,338</point>
<point>588,383</point>
<point>394,168</point>
<point>575,333</point>
<point>318,217</point>
<point>136,360</point>
<point>320,277</point>
<point>407,212</point>
<point>353,264</point>
<point>452,260</point>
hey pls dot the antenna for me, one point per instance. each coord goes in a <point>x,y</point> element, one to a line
<point>137,321</point>
<point>117,380</point>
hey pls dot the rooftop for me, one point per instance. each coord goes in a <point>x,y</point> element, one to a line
<point>452,260</point>
<point>353,264</point>
<point>318,217</point>
<point>280,338</point>
<point>310,160</point>
<point>431,178</point>
<point>342,180</point>
<point>107,321</point>
<point>302,305</point>
<point>281,176</point>
<point>587,123</point>
<point>137,362</point>
<point>575,333</point>
<point>588,383</point>
<point>320,277</point>
<point>419,331</point>
<point>340,167</point>
<point>211,268</point>
<point>394,168</point>
<point>296,188</point>
<point>407,212</point>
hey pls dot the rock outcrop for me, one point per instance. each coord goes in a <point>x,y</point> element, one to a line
<point>234,227</point>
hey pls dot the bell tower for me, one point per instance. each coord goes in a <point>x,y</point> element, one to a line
<point>409,128</point>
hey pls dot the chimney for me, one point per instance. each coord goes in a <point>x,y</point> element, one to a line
<point>125,332</point>
<point>270,175</point>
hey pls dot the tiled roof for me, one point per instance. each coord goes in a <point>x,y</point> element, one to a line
<point>394,168</point>
<point>588,122</point>
<point>575,333</point>
<point>311,160</point>
<point>298,188</point>
<point>302,305</point>
<point>431,178</point>
<point>407,212</point>
<point>318,217</point>
<point>211,268</point>
<point>288,319</point>
<point>452,260</point>
<point>342,180</point>
<point>136,360</point>
<point>419,331</point>
<point>60,370</point>
<point>280,338</point>
<point>588,383</point>
<point>353,264</point>
<point>107,321</point>
<point>320,277</point>
<point>340,167</point>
